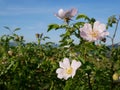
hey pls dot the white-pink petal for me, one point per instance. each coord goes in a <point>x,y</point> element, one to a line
<point>86,28</point>
<point>65,63</point>
<point>73,12</point>
<point>66,76</point>
<point>68,14</point>
<point>61,13</point>
<point>75,64</point>
<point>73,73</point>
<point>99,27</point>
<point>95,25</point>
<point>60,71</point>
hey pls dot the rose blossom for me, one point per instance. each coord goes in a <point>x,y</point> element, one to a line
<point>98,31</point>
<point>66,15</point>
<point>66,69</point>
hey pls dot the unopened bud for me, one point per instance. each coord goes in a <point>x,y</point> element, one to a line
<point>21,38</point>
<point>115,76</point>
<point>16,38</point>
<point>10,53</point>
<point>37,35</point>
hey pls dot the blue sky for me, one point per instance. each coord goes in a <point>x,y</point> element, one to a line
<point>34,16</point>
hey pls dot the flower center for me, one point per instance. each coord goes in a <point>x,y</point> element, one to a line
<point>67,19</point>
<point>94,34</point>
<point>69,70</point>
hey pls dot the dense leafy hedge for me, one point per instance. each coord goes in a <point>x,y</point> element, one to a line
<point>32,66</point>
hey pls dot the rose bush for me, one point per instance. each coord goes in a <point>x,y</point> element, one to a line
<point>89,65</point>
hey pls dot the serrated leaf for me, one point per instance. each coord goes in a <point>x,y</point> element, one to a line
<point>53,26</point>
<point>82,16</point>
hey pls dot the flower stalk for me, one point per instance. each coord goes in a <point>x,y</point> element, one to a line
<point>89,84</point>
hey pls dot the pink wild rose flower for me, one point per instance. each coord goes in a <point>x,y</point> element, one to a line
<point>98,32</point>
<point>66,15</point>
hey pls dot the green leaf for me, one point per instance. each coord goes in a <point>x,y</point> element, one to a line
<point>6,27</point>
<point>70,40</point>
<point>53,26</point>
<point>111,20</point>
<point>82,16</point>
<point>68,85</point>
<point>67,33</point>
<point>63,26</point>
<point>78,24</point>
<point>81,59</point>
<point>16,29</point>
<point>46,38</point>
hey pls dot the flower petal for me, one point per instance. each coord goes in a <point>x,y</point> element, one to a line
<point>60,14</point>
<point>86,28</point>
<point>96,24</point>
<point>99,27</point>
<point>65,64</point>
<point>84,35</point>
<point>73,12</point>
<point>75,64</point>
<point>60,72</point>
<point>102,27</point>
<point>73,73</point>
<point>103,34</point>
<point>66,76</point>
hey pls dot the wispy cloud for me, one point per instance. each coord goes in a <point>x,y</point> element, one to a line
<point>21,11</point>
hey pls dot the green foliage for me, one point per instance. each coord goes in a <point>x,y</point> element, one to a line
<point>111,20</point>
<point>32,66</point>
<point>82,16</point>
<point>53,26</point>
<point>16,29</point>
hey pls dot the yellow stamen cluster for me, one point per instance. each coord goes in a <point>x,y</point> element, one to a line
<point>69,70</point>
<point>94,34</point>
